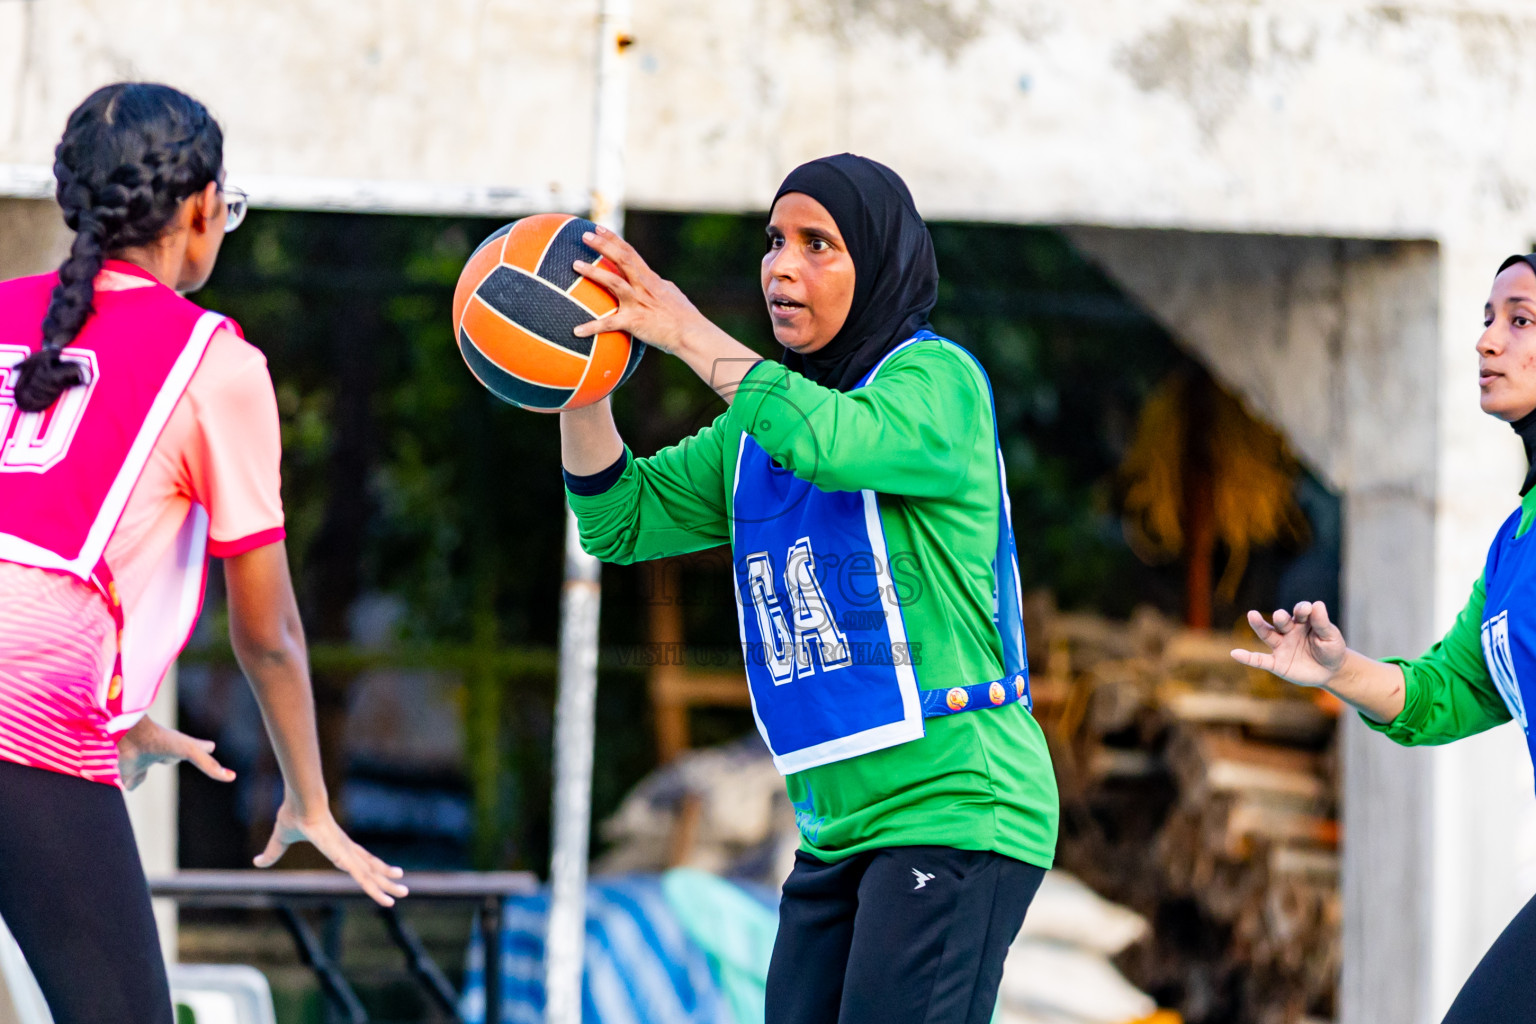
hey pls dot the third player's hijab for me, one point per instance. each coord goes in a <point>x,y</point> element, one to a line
<point>896,278</point>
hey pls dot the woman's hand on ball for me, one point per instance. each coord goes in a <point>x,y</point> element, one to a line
<point>651,308</point>
<point>656,311</point>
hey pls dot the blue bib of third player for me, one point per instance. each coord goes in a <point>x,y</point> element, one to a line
<point>828,659</point>
<point>1509,620</point>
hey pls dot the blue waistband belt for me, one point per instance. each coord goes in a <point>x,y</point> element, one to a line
<point>978,696</point>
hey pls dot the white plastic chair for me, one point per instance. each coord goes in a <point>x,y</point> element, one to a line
<point>223,993</point>
<point>20,998</point>
<point>215,993</point>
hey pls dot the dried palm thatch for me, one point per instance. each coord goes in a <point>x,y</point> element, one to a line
<point>1189,426</point>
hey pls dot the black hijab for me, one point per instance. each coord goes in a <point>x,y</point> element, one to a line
<point>896,278</point>
<point>1525,426</point>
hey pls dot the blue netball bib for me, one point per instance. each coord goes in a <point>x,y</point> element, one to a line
<point>828,659</point>
<point>1509,619</point>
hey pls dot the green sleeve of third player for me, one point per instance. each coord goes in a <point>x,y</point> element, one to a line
<point>1449,693</point>
<point>912,431</point>
<point>668,504</point>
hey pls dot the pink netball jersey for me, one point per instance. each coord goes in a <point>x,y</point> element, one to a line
<point>109,503</point>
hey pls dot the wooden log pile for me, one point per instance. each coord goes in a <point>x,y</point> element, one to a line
<point>1203,795</point>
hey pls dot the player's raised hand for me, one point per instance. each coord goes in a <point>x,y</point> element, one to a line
<point>651,308</point>
<point>1305,648</point>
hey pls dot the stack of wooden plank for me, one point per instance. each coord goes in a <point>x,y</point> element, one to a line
<point>1203,795</point>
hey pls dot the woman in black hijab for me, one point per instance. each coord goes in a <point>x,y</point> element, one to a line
<point>859,484</point>
<point>896,276</point>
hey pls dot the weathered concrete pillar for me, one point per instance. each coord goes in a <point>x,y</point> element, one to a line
<point>1387,409</point>
<point>1362,353</point>
<point>33,238</point>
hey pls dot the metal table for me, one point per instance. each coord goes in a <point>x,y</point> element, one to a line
<point>288,892</point>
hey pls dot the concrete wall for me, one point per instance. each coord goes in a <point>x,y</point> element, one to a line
<point>33,237</point>
<point>1353,118</point>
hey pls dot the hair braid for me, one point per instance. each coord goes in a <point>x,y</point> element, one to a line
<point>129,156</point>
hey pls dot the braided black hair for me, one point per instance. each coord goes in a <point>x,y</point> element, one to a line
<point>130,154</point>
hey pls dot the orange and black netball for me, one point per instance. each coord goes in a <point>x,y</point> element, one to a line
<point>516,306</point>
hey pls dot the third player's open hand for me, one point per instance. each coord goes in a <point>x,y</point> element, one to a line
<point>1305,647</point>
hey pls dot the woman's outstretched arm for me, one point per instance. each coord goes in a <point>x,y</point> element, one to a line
<point>268,639</point>
<point>1307,649</point>
<point>1443,695</point>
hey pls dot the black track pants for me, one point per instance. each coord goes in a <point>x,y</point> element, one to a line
<point>72,891</point>
<point>904,935</point>
<point>1503,986</point>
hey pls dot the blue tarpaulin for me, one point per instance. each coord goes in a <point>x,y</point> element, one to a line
<point>642,966</point>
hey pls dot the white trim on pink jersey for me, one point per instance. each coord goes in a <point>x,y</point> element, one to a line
<point>14,549</point>
<point>160,622</point>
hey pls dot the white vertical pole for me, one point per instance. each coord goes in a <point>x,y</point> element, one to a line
<point>574,727</point>
<point>580,599</point>
<point>152,810</point>
<point>612,115</point>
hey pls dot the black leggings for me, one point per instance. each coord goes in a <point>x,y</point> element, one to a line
<point>1503,985</point>
<point>72,891</point>
<point>903,935</point>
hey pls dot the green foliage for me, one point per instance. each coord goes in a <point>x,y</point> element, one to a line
<point>463,492</point>
<point>1070,362</point>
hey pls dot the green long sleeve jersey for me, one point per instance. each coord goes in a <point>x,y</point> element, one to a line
<point>1449,693</point>
<point>921,436</point>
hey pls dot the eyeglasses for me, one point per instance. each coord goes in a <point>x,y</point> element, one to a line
<point>236,203</point>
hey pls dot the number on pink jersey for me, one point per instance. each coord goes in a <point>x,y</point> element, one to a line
<point>35,442</point>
